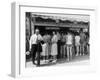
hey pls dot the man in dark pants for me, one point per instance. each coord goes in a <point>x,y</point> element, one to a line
<point>33,52</point>
<point>35,46</point>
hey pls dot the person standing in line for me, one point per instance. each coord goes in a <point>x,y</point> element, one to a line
<point>87,43</point>
<point>35,45</point>
<point>49,46</point>
<point>62,49</point>
<point>69,44</point>
<point>65,49</point>
<point>44,53</point>
<point>82,41</point>
<point>54,50</point>
<point>63,41</point>
<point>59,45</point>
<point>77,44</point>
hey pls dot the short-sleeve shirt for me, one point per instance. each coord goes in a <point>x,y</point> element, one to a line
<point>34,38</point>
<point>82,37</point>
<point>69,39</point>
<point>77,40</point>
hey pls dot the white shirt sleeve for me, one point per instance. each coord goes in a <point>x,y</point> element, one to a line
<point>40,37</point>
<point>30,42</point>
<point>56,39</point>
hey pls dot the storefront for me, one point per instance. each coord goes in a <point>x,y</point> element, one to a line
<point>47,24</point>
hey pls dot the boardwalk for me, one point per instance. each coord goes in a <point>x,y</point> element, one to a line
<point>79,60</point>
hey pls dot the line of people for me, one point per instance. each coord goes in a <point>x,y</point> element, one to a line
<point>59,45</point>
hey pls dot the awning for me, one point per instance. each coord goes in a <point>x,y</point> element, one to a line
<point>71,17</point>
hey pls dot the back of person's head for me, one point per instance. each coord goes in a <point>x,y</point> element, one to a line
<point>69,32</point>
<point>81,30</point>
<point>54,32</point>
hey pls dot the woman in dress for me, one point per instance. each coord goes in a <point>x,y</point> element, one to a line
<point>44,53</point>
<point>54,47</point>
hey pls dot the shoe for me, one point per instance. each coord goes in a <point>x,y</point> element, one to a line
<point>54,61</point>
<point>34,63</point>
<point>47,61</point>
<point>50,60</point>
<point>42,61</point>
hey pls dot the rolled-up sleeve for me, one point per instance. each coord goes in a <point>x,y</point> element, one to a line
<point>30,42</point>
<point>40,37</point>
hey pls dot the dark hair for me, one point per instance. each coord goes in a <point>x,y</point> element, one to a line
<point>81,30</point>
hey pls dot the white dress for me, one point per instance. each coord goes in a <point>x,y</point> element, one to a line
<point>54,45</point>
<point>44,50</point>
<point>45,47</point>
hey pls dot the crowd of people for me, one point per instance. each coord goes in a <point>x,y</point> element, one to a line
<point>52,47</point>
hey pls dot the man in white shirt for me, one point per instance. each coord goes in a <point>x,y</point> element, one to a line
<point>34,44</point>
